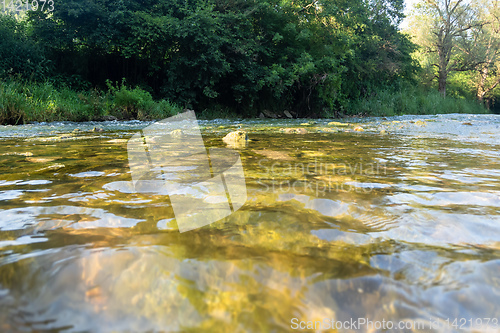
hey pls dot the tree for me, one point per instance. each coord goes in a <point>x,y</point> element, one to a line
<point>247,55</point>
<point>378,54</point>
<point>439,26</point>
<point>487,45</point>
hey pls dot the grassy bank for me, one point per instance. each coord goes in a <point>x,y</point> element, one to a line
<point>22,102</point>
<point>412,100</point>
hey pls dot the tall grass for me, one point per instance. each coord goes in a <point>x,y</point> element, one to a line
<point>412,100</point>
<point>24,102</point>
<point>13,104</point>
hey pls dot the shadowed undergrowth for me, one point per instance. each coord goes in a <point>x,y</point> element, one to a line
<point>411,100</point>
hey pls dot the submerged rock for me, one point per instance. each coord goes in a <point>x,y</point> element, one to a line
<point>336,123</point>
<point>177,133</point>
<point>236,138</point>
<point>51,167</point>
<point>289,130</point>
<point>269,114</point>
<point>274,154</point>
<point>329,130</point>
<point>40,159</point>
<point>358,129</point>
<point>117,141</point>
<point>28,153</point>
<point>64,137</point>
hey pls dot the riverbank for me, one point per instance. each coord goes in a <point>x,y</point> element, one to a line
<point>22,103</point>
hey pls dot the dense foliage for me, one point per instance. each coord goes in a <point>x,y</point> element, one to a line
<point>309,57</point>
<point>19,54</point>
<point>313,58</point>
<point>459,46</point>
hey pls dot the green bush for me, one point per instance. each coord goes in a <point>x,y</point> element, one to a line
<point>136,103</point>
<point>162,109</point>
<point>130,103</point>
<point>13,104</point>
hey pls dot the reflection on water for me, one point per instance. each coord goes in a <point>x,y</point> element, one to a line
<point>338,224</point>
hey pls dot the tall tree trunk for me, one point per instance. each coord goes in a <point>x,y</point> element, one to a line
<point>481,91</point>
<point>442,78</point>
<point>482,87</point>
<point>442,74</point>
<point>444,47</point>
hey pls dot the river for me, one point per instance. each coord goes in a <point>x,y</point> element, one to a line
<point>353,223</point>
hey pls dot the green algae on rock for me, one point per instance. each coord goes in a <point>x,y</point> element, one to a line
<point>289,130</point>
<point>236,139</point>
<point>52,167</point>
<point>336,123</point>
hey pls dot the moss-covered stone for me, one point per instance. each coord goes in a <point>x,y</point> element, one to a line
<point>290,130</point>
<point>236,139</point>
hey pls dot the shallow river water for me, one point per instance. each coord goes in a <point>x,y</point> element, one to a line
<point>368,225</point>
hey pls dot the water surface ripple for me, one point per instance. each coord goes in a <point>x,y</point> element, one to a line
<point>398,225</point>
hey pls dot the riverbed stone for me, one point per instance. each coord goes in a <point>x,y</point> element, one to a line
<point>336,123</point>
<point>52,167</point>
<point>269,114</point>
<point>236,138</point>
<point>176,133</point>
<point>290,130</point>
<point>273,154</point>
<point>40,159</point>
<point>28,153</point>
